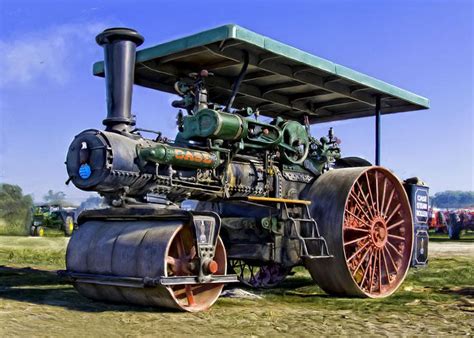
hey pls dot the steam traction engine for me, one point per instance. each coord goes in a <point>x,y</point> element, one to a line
<point>270,195</point>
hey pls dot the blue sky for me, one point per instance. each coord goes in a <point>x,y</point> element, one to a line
<point>48,95</point>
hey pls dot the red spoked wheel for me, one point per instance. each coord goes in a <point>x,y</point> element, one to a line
<point>182,261</point>
<point>369,229</point>
<point>377,233</point>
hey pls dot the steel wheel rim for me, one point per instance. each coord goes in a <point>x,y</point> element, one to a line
<point>181,254</point>
<point>377,233</point>
<point>261,276</point>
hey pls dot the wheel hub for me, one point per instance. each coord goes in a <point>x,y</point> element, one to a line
<point>378,232</point>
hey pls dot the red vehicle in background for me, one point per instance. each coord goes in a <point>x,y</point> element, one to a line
<point>451,221</point>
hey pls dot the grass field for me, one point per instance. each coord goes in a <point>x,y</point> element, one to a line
<point>436,300</point>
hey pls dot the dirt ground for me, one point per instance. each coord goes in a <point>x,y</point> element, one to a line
<point>437,300</point>
<point>451,249</point>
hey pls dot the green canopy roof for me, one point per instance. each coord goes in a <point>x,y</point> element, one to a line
<point>281,80</point>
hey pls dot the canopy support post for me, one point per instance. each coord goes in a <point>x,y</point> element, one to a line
<point>377,130</point>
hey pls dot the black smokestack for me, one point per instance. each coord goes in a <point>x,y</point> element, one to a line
<point>119,61</point>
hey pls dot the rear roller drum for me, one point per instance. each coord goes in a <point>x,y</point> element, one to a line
<point>365,216</point>
<point>140,249</point>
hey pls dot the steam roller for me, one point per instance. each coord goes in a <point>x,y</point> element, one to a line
<point>243,193</point>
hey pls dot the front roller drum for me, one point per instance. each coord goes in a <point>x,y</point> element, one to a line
<point>365,216</point>
<point>142,249</point>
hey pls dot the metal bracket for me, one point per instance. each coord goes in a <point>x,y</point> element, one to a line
<point>142,282</point>
<point>206,230</point>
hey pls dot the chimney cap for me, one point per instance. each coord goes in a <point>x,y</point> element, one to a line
<point>119,33</point>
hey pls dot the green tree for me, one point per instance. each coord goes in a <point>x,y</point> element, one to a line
<point>15,210</point>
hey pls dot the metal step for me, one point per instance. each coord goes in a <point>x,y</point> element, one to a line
<point>316,247</point>
<point>309,257</point>
<point>309,220</point>
<point>309,250</point>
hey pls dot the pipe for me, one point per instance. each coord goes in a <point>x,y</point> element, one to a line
<point>237,82</point>
<point>377,130</point>
<point>119,61</point>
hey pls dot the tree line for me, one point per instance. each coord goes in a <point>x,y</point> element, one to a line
<point>453,199</point>
<point>16,208</point>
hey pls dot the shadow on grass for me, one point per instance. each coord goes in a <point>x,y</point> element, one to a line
<point>443,278</point>
<point>461,291</point>
<point>44,287</point>
<point>292,286</point>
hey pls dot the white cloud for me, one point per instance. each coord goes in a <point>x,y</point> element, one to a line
<point>46,54</point>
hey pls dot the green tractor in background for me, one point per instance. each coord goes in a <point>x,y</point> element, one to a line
<point>52,217</point>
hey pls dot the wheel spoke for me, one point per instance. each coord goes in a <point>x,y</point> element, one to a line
<point>393,212</point>
<point>377,192</point>
<point>391,259</point>
<point>360,213</point>
<point>170,260</point>
<point>367,268</point>
<point>360,194</point>
<point>356,240</point>
<point>189,295</point>
<point>196,289</point>
<point>380,271</point>
<point>357,252</point>
<point>365,198</point>
<point>180,246</point>
<point>396,224</point>
<point>395,249</point>
<point>360,206</point>
<point>389,202</point>
<point>178,260</point>
<point>371,195</point>
<point>356,229</point>
<point>396,237</point>
<point>373,265</point>
<point>361,261</point>
<point>387,273</point>
<point>358,218</point>
<point>192,252</point>
<point>383,194</point>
